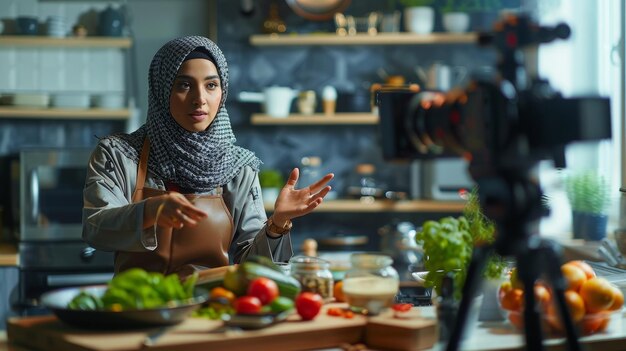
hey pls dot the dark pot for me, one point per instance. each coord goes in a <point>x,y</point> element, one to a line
<point>589,226</point>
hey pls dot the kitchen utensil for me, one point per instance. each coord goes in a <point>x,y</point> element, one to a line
<point>276,100</point>
<point>440,76</point>
<point>607,256</point>
<point>613,250</point>
<point>317,10</point>
<point>171,314</point>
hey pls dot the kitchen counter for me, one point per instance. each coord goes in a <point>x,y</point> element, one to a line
<point>8,255</point>
<point>486,336</point>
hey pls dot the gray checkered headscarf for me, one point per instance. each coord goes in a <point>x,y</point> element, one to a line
<point>199,161</point>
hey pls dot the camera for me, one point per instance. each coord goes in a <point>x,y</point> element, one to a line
<point>512,119</point>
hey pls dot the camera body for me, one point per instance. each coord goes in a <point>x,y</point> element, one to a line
<point>509,121</point>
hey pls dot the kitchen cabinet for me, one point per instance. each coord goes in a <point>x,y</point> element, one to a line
<point>9,43</point>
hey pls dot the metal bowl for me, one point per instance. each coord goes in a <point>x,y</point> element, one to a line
<point>173,313</point>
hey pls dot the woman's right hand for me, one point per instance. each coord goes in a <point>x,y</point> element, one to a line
<point>172,210</point>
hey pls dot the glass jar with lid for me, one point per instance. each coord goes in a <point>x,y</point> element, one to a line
<point>314,275</point>
<point>371,284</point>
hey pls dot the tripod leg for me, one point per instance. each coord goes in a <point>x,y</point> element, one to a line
<point>527,268</point>
<point>472,282</point>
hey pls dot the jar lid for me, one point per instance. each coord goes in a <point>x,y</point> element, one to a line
<point>308,262</point>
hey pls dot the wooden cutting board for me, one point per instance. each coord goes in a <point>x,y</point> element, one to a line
<point>48,333</point>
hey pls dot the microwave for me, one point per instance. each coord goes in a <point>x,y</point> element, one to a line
<point>45,193</point>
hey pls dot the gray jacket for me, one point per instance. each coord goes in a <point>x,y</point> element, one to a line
<point>111,222</point>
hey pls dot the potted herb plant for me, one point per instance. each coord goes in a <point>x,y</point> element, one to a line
<point>419,16</point>
<point>454,16</point>
<point>589,196</point>
<point>448,245</point>
<point>271,181</point>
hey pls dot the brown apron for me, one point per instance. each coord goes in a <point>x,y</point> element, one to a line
<point>184,250</point>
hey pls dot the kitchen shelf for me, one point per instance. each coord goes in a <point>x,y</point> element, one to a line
<point>75,42</point>
<point>321,119</point>
<point>386,206</point>
<point>363,39</point>
<point>64,113</point>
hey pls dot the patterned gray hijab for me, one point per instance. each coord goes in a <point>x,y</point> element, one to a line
<point>198,161</point>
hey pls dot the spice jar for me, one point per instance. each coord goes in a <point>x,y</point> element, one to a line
<point>314,275</point>
<point>371,284</point>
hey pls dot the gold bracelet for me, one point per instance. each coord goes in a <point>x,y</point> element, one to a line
<point>272,227</point>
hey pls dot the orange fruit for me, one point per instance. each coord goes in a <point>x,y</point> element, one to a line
<point>593,323</point>
<point>589,272</point>
<point>618,299</point>
<point>513,300</point>
<point>576,305</point>
<point>338,292</point>
<point>542,295</point>
<point>598,294</point>
<point>503,289</point>
<point>574,276</point>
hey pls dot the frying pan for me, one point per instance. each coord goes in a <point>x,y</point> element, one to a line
<point>174,313</point>
<point>317,10</point>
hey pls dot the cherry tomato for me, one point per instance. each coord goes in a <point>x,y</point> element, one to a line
<point>308,305</point>
<point>264,289</point>
<point>248,305</point>
<point>402,307</point>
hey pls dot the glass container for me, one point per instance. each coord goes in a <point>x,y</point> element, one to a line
<point>314,275</point>
<point>371,284</point>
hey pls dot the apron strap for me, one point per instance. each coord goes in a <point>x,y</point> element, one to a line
<point>142,170</point>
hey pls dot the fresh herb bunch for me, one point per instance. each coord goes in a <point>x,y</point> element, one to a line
<point>588,191</point>
<point>449,242</point>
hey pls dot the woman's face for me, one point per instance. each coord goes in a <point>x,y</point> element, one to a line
<point>196,95</point>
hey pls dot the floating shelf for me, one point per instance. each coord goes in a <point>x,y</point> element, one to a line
<point>64,113</point>
<point>386,206</point>
<point>321,119</point>
<point>363,39</point>
<point>76,42</point>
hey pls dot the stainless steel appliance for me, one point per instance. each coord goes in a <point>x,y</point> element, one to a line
<point>45,203</point>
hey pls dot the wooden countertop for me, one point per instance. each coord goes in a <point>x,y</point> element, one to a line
<point>8,255</point>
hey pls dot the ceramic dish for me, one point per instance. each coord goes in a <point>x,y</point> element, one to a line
<point>171,314</point>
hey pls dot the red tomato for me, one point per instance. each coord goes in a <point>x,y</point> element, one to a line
<point>264,289</point>
<point>402,307</point>
<point>308,305</point>
<point>248,305</point>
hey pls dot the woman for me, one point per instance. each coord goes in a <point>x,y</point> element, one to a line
<point>177,195</point>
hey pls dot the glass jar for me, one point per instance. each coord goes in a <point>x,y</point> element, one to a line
<point>371,284</point>
<point>314,275</point>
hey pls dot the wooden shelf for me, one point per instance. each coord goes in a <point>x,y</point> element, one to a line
<point>75,42</point>
<point>386,206</point>
<point>363,39</point>
<point>64,113</point>
<point>321,119</point>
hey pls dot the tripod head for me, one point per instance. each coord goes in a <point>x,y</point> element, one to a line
<point>502,126</point>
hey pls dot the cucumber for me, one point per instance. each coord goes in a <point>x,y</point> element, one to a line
<point>287,286</point>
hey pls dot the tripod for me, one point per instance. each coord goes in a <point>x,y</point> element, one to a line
<point>513,201</point>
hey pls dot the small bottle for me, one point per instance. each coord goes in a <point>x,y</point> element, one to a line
<point>314,275</point>
<point>371,284</point>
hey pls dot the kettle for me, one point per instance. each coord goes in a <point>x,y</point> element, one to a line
<point>440,76</point>
<point>276,100</point>
<point>398,241</point>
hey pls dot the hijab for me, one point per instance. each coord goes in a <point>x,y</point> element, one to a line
<point>198,161</point>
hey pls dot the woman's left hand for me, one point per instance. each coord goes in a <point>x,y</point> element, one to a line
<point>292,202</point>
